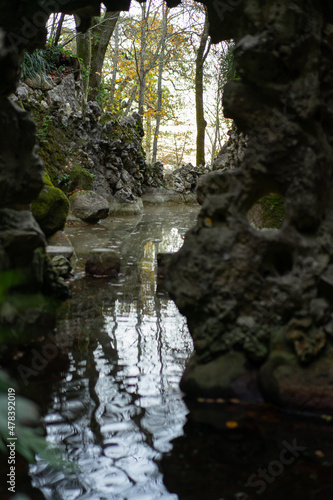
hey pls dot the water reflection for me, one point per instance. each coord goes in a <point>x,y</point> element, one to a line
<point>118,406</point>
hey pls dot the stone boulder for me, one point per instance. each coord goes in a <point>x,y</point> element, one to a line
<point>156,196</point>
<point>20,238</point>
<point>50,208</point>
<point>60,239</point>
<point>125,208</point>
<point>89,206</point>
<point>285,382</point>
<point>103,262</point>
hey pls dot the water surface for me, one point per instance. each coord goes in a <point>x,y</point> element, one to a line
<point>116,412</point>
<point>118,405</point>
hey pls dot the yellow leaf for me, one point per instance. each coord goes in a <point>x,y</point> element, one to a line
<point>231,424</point>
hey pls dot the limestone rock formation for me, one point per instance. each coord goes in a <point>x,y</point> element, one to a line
<point>184,179</point>
<point>232,153</point>
<point>25,270</point>
<point>267,295</point>
<point>84,148</point>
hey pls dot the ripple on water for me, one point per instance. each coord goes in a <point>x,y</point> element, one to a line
<point>118,406</point>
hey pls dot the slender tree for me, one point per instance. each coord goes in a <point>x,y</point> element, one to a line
<point>115,60</point>
<point>83,51</point>
<point>91,48</point>
<point>101,35</point>
<point>159,80</point>
<point>201,56</point>
<point>142,72</point>
<point>58,30</point>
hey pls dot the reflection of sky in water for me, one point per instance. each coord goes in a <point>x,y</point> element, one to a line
<point>119,404</point>
<point>171,240</point>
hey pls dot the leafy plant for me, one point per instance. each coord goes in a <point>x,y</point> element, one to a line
<point>37,63</point>
<point>228,63</point>
<point>64,178</point>
<point>44,62</point>
<point>85,70</point>
<point>43,131</point>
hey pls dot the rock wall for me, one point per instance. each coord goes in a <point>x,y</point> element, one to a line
<point>26,275</point>
<point>259,303</point>
<point>232,153</point>
<point>82,147</point>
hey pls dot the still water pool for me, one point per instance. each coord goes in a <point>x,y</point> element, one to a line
<point>117,405</point>
<point>112,406</point>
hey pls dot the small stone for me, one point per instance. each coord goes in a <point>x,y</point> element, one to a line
<point>246,322</point>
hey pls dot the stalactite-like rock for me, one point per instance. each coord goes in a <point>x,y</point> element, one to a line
<point>259,303</point>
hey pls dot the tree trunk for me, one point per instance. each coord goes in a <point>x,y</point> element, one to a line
<point>159,82</point>
<point>130,101</point>
<point>202,53</point>
<point>148,139</point>
<point>59,28</point>
<point>114,66</point>
<point>83,51</point>
<point>143,43</point>
<point>101,35</point>
<point>217,115</point>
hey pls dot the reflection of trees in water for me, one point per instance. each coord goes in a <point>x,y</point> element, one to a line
<point>126,349</point>
<point>172,240</point>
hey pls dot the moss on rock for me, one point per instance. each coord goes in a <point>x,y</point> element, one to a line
<point>76,178</point>
<point>273,210</point>
<point>51,208</point>
<point>53,151</point>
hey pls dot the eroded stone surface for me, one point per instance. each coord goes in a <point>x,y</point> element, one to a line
<point>227,270</point>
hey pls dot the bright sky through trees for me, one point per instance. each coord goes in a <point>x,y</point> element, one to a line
<point>140,51</point>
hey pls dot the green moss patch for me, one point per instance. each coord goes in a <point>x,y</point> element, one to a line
<point>273,211</point>
<point>51,208</point>
<point>75,178</point>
